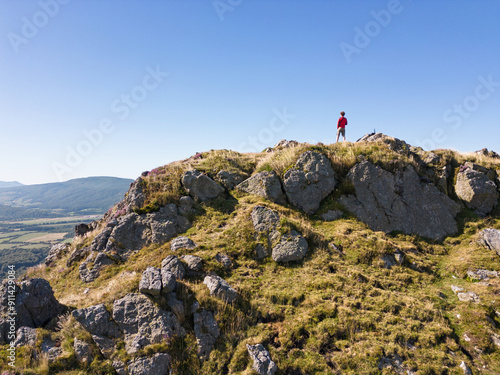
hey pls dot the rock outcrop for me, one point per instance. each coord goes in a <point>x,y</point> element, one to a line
<point>310,181</point>
<point>400,202</point>
<point>219,288</point>
<point>143,323</point>
<point>264,184</point>
<point>291,247</point>
<point>200,186</point>
<point>262,362</point>
<point>206,331</point>
<point>491,239</point>
<point>182,242</point>
<point>477,191</point>
<point>36,305</point>
<point>56,252</point>
<point>157,364</point>
<point>151,282</point>
<point>129,233</point>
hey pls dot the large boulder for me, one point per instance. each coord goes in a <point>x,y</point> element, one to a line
<point>182,242</point>
<point>264,219</point>
<point>477,191</point>
<point>56,252</point>
<point>219,288</point>
<point>200,186</point>
<point>264,184</point>
<point>229,179</point>
<point>262,362</point>
<point>128,234</point>
<point>310,181</point>
<point>206,331</point>
<point>36,305</point>
<point>291,247</point>
<point>135,197</point>
<point>400,202</point>
<point>394,144</point>
<point>173,265</point>
<point>143,323</point>
<point>151,281</point>
<point>97,321</point>
<point>491,239</point>
<point>157,364</point>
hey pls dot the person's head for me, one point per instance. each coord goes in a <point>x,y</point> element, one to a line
<point>342,113</point>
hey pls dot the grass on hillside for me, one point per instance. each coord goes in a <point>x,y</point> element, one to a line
<point>339,311</point>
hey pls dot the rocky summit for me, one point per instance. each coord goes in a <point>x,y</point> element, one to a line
<point>372,257</point>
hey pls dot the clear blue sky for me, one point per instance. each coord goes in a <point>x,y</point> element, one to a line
<point>116,87</point>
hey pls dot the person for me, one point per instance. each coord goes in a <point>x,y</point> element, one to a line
<point>341,123</point>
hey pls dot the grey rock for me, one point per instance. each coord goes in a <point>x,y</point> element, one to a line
<point>151,281</point>
<point>157,364</point>
<point>176,306</point>
<point>481,274</point>
<point>477,191</point>
<point>186,204</point>
<point>51,350</point>
<point>224,260</point>
<point>230,179</point>
<point>292,247</point>
<point>77,255</point>
<point>264,219</point>
<point>168,281</point>
<point>285,144</point>
<point>36,305</point>
<point>182,242</point>
<point>90,269</point>
<point>393,362</point>
<point>120,367</point>
<point>172,264</point>
<point>97,321</point>
<point>456,289</point>
<point>106,346</point>
<point>388,261</point>
<point>261,251</point>
<point>219,288</point>
<point>25,336</point>
<point>490,238</point>
<point>466,369</point>
<point>56,252</point>
<point>266,185</point>
<point>262,362</point>
<point>400,202</point>
<point>310,181</point>
<point>432,158</point>
<point>332,215</point>
<point>83,351</point>
<point>143,323</point>
<point>135,197</point>
<point>495,339</point>
<point>131,232</point>
<point>394,144</point>
<point>468,297</point>
<point>206,331</point>
<point>200,186</point>
<point>194,264</point>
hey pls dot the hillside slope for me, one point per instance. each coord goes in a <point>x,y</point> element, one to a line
<point>372,257</point>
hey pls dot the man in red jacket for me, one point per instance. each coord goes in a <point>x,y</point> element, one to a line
<point>341,126</point>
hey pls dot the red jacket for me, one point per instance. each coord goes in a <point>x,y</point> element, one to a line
<point>342,122</point>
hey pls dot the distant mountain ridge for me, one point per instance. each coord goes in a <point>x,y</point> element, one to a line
<point>8,184</point>
<point>92,195</point>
